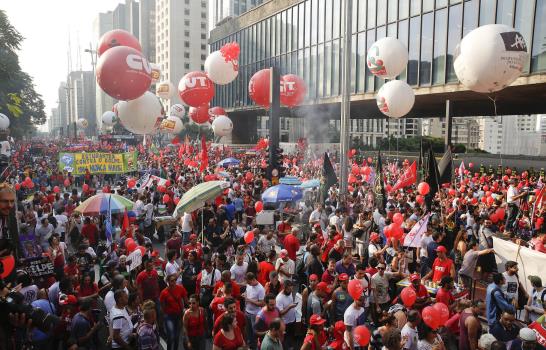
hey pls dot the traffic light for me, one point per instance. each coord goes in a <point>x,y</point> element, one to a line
<point>276,168</point>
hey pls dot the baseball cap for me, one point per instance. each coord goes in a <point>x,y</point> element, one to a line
<point>486,340</point>
<point>527,334</point>
<point>339,327</point>
<point>283,253</point>
<point>313,277</point>
<point>316,320</point>
<point>414,277</point>
<point>155,253</point>
<point>535,280</point>
<point>193,236</point>
<point>441,249</point>
<point>343,277</point>
<point>323,287</point>
<point>374,236</point>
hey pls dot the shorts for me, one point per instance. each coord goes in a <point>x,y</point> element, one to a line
<point>487,263</point>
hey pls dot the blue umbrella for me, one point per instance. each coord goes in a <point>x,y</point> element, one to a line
<point>282,193</point>
<point>224,174</point>
<point>290,180</point>
<point>228,162</point>
<point>310,183</point>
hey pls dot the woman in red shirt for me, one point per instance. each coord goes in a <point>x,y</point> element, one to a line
<point>194,324</point>
<point>229,337</point>
<point>172,301</point>
<point>90,231</point>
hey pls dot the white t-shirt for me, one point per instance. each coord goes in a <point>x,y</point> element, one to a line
<point>30,293</point>
<point>238,273</point>
<point>256,292</point>
<point>206,278</point>
<point>412,337</point>
<point>109,301</point>
<point>510,288</point>
<point>354,317</point>
<point>119,319</point>
<point>283,301</point>
<point>172,268</point>
<point>536,302</point>
<point>372,249</point>
<point>288,266</point>
<point>61,223</point>
<point>265,244</point>
<point>366,287</point>
<point>138,208</point>
<point>512,191</point>
<point>186,223</point>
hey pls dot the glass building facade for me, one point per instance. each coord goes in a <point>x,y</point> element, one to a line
<point>306,39</point>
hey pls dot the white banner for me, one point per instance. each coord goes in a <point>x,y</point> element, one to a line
<point>135,259</point>
<point>413,238</point>
<point>530,262</point>
<point>146,180</point>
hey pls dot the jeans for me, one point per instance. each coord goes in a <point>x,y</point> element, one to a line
<point>513,212</point>
<point>250,323</point>
<point>172,329</point>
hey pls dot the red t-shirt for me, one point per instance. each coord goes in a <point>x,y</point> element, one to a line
<point>292,245</point>
<point>338,344</point>
<point>217,306</point>
<point>149,284</point>
<point>441,268</point>
<point>327,277</point>
<point>172,299</point>
<point>235,289</point>
<point>189,247</point>
<point>229,344</point>
<point>422,292</point>
<point>538,245</point>
<point>239,317</point>
<point>265,268</point>
<point>175,244</point>
<point>90,232</point>
<point>444,296</point>
<point>86,291</point>
<point>310,339</point>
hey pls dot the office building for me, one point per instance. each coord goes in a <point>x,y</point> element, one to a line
<point>509,135</point>
<point>81,95</point>
<point>146,25</point>
<point>304,37</point>
<point>225,9</point>
<point>465,131</point>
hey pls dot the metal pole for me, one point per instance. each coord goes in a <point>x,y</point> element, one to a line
<point>345,98</point>
<point>274,118</point>
<point>449,125</point>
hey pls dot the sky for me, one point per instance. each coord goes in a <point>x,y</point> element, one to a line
<point>47,26</point>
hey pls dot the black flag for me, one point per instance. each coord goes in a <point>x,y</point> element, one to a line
<point>445,168</point>
<point>379,186</point>
<point>329,177</point>
<point>431,177</point>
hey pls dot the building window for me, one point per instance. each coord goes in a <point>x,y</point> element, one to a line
<point>186,22</point>
<point>186,44</point>
<point>203,25</point>
<point>203,57</point>
<point>187,2</point>
<point>186,66</point>
<point>203,36</point>
<point>187,33</point>
<point>187,12</point>
<point>186,55</point>
<point>203,15</point>
<point>203,46</point>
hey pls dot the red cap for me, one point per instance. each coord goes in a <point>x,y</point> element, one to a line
<point>316,320</point>
<point>343,277</point>
<point>317,226</point>
<point>313,277</point>
<point>414,277</point>
<point>70,299</point>
<point>441,249</point>
<point>155,253</point>
<point>374,236</point>
<point>193,236</point>
<point>339,327</point>
<point>323,287</point>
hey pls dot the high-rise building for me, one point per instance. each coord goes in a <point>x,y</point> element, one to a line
<point>509,135</point>
<point>81,92</point>
<point>181,38</point>
<point>102,24</point>
<point>465,131</point>
<point>222,9</point>
<point>146,24</point>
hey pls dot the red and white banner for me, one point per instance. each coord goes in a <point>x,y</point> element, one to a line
<point>408,178</point>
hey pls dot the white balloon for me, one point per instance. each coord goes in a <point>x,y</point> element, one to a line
<point>109,118</point>
<point>82,123</point>
<point>490,57</point>
<point>165,90</point>
<point>220,70</point>
<point>395,99</point>
<point>4,122</point>
<point>156,72</point>
<point>222,126</point>
<point>387,58</point>
<point>172,125</point>
<point>141,115</point>
<point>177,110</point>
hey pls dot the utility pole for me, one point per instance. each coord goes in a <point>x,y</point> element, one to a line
<point>274,123</point>
<point>345,98</point>
<point>93,54</point>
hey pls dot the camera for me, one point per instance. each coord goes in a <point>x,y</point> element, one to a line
<point>13,304</point>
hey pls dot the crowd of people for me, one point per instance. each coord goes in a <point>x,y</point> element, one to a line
<point>217,278</point>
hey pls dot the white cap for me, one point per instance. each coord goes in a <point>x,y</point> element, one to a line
<point>485,341</point>
<point>527,334</point>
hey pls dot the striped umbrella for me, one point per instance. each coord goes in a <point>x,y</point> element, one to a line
<point>290,180</point>
<point>102,202</point>
<point>196,197</point>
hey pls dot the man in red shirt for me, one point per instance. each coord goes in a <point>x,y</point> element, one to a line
<point>265,267</point>
<point>330,274</point>
<point>147,282</point>
<point>442,266</point>
<point>217,305</point>
<point>90,231</point>
<point>423,299</point>
<point>172,300</point>
<point>193,245</point>
<point>292,244</point>
<point>226,279</point>
<point>231,309</point>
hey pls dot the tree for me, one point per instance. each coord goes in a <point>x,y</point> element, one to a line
<point>18,99</point>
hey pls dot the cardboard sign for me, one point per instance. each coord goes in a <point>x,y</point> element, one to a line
<point>38,267</point>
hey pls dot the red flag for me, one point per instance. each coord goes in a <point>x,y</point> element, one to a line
<point>125,224</point>
<point>204,155</point>
<point>181,151</point>
<point>187,144</point>
<point>409,177</point>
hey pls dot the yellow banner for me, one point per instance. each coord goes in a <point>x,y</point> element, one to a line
<point>97,162</point>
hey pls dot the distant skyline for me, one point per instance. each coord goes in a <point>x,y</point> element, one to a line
<point>47,27</point>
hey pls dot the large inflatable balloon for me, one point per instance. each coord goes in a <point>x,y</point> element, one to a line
<point>490,57</point>
<point>395,99</point>
<point>109,118</point>
<point>140,116</point>
<point>199,114</point>
<point>221,70</point>
<point>82,123</point>
<point>195,89</point>
<point>215,112</point>
<point>156,72</point>
<point>172,125</point>
<point>222,126</point>
<point>387,58</point>
<point>165,90</point>
<point>123,73</point>
<point>4,122</point>
<point>293,90</point>
<point>258,87</point>
<point>177,110</point>
<point>117,37</point>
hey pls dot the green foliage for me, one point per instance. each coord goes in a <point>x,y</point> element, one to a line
<point>18,99</point>
<point>459,148</point>
<point>194,131</point>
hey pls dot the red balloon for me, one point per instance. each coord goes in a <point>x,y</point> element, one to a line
<point>166,198</point>
<point>486,188</point>
<point>8,263</point>
<point>249,237</point>
<point>452,192</point>
<point>196,89</point>
<point>423,188</point>
<point>470,165</point>
<point>131,245</point>
<point>387,231</point>
<point>352,178</point>
<point>362,335</point>
<point>131,183</point>
<point>66,183</point>
<point>494,218</point>
<point>355,170</point>
<point>500,213</point>
<point>430,317</point>
<point>142,250</point>
<point>85,187</point>
<point>105,189</point>
<point>17,186</point>
<point>293,90</point>
<point>249,176</point>
<point>355,289</point>
<point>56,189</point>
<point>443,313</point>
<point>200,114</point>
<point>398,218</point>
<point>216,111</point>
<point>124,73</point>
<point>259,206</point>
<point>408,296</point>
<point>397,232</point>
<point>117,37</point>
<point>168,183</point>
<point>258,87</point>
<point>490,201</point>
<point>420,199</point>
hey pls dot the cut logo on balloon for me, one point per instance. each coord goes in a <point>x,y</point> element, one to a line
<point>376,65</point>
<point>382,104</point>
<point>513,41</point>
<point>139,63</point>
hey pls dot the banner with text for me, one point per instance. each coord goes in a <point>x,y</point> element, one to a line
<point>98,162</point>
